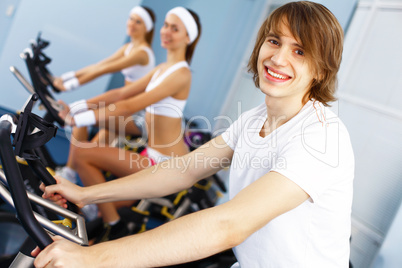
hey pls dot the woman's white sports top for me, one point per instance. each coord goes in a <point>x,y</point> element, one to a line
<point>168,106</point>
<point>135,72</point>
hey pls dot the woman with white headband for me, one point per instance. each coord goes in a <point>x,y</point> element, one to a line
<point>134,59</point>
<point>162,93</point>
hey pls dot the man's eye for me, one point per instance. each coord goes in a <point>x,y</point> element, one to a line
<point>274,42</point>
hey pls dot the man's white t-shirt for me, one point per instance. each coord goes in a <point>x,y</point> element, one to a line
<point>313,150</point>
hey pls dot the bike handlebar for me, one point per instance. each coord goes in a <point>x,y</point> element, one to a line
<point>17,189</point>
<point>42,92</point>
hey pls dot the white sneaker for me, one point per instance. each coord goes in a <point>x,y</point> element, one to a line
<point>90,212</point>
<point>67,173</point>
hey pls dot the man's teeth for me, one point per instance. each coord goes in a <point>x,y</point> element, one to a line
<point>276,75</point>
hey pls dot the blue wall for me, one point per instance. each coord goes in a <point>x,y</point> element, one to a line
<point>83,32</point>
<point>80,34</point>
<point>7,11</point>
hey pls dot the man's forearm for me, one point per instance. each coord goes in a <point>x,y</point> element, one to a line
<point>165,178</point>
<point>156,181</point>
<point>185,239</point>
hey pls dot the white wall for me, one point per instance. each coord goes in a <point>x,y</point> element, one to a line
<point>370,101</point>
<point>83,32</point>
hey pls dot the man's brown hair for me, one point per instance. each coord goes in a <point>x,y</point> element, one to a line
<point>321,36</point>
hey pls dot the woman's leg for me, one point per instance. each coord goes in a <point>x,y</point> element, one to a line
<point>78,136</point>
<point>79,140</point>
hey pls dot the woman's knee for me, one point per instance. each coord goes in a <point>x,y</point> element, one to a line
<point>80,157</point>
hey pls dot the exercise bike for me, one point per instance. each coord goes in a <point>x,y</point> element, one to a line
<point>27,131</point>
<point>148,213</point>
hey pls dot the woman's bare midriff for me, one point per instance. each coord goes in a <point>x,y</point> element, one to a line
<point>165,134</point>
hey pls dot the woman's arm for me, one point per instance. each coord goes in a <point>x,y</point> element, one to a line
<point>118,94</point>
<point>115,63</point>
<point>59,82</point>
<point>174,84</point>
<point>116,55</point>
<point>104,99</point>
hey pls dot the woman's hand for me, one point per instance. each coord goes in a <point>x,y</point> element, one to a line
<point>63,253</point>
<point>65,113</point>
<point>62,191</point>
<point>58,83</point>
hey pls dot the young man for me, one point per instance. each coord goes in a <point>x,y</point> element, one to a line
<point>291,161</point>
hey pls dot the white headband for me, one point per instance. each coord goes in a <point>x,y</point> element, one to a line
<point>188,20</point>
<point>143,13</point>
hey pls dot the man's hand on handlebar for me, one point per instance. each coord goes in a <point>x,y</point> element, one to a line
<point>62,191</point>
<point>62,253</point>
